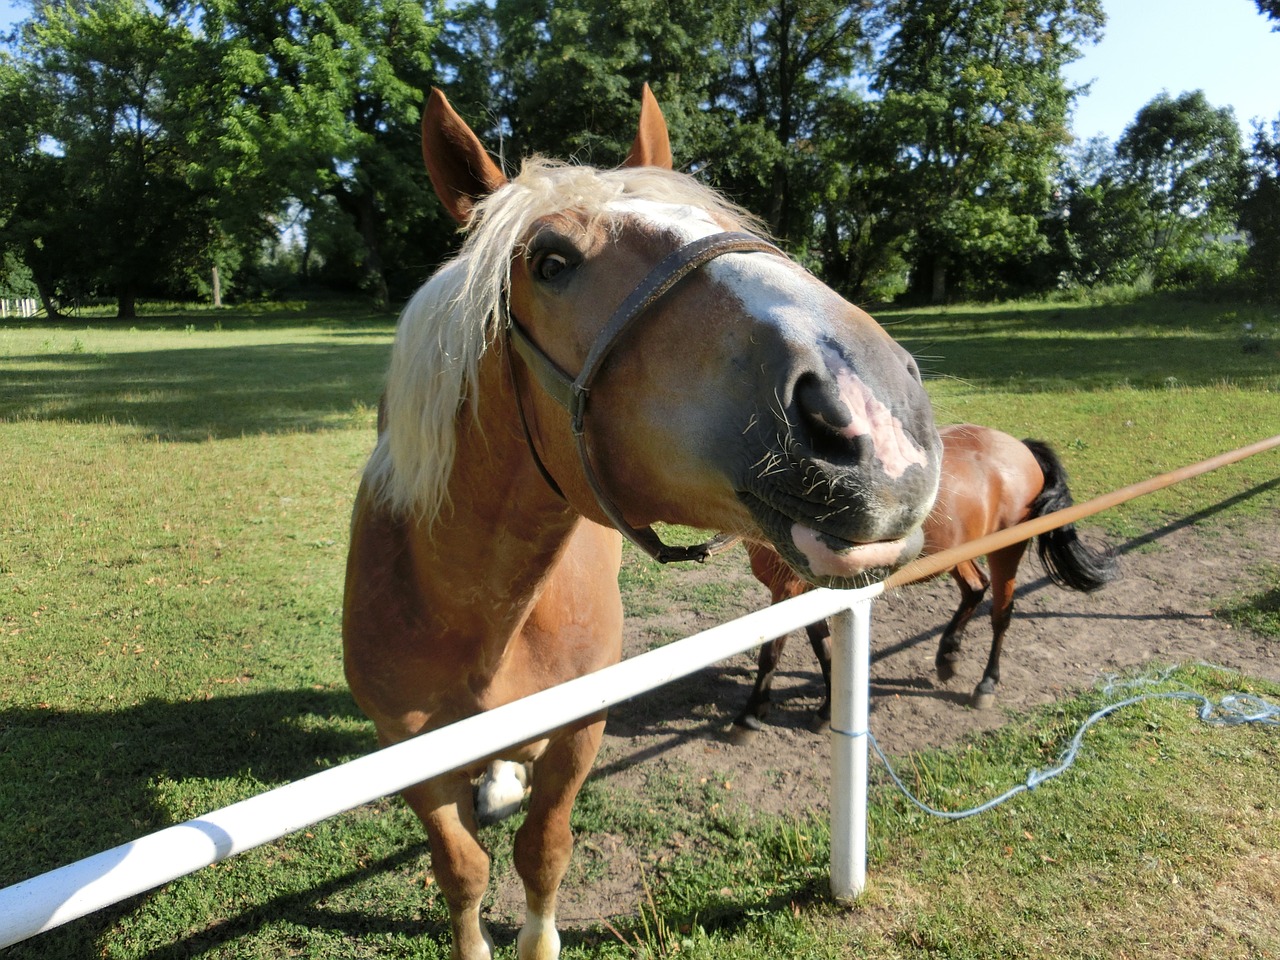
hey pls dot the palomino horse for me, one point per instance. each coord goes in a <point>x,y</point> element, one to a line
<point>721,386</point>
<point>990,482</point>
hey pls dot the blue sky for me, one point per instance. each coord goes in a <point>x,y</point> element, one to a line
<point>1223,47</point>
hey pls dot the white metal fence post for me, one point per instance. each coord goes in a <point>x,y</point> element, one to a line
<point>850,680</point>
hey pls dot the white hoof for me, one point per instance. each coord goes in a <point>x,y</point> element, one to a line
<point>501,790</point>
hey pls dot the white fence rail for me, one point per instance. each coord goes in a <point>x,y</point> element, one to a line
<point>54,898</point>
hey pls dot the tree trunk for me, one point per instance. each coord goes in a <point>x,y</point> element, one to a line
<point>217,287</point>
<point>46,299</point>
<point>361,207</point>
<point>938,291</point>
<point>127,305</point>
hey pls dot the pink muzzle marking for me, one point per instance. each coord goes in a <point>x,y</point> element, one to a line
<point>869,417</point>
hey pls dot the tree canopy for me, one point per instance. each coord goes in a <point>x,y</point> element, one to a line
<point>1181,161</point>
<point>164,148</point>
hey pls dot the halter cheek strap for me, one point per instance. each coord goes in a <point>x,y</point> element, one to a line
<point>572,393</point>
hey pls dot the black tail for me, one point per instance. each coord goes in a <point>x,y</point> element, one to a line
<point>1066,558</point>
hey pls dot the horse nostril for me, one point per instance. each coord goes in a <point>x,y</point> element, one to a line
<point>826,417</point>
<point>913,368</point>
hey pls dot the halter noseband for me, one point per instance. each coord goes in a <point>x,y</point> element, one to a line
<point>572,394</point>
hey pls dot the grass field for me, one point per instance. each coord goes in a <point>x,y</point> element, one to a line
<point>176,496</point>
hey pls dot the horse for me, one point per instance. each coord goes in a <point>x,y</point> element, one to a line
<point>719,385</point>
<point>990,481</point>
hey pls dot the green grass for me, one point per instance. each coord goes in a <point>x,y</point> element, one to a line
<point>1259,611</point>
<point>176,494</point>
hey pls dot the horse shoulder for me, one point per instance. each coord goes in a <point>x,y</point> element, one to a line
<point>575,626</point>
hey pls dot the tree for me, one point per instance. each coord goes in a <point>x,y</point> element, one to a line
<point>973,94</point>
<point>742,85</point>
<point>1270,8</point>
<point>787,70</point>
<point>29,188</point>
<point>333,108</point>
<point>126,182</point>
<point>1095,226</point>
<point>860,224</point>
<point>1260,210</point>
<point>1182,159</point>
<point>562,78</point>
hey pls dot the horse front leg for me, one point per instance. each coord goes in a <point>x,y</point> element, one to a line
<point>544,841</point>
<point>459,862</point>
<point>749,721</point>
<point>1004,573</point>
<point>973,585</point>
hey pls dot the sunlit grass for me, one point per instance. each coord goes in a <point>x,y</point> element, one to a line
<point>176,497</point>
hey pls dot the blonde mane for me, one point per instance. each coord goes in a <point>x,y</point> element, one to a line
<point>453,318</point>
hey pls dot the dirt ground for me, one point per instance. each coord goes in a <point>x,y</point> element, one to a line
<point>1060,642</point>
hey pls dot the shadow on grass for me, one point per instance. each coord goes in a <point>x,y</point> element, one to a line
<point>73,784</point>
<point>185,395</point>
<point>1059,363</point>
<point>1155,343</point>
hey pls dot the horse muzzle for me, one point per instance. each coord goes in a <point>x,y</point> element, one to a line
<point>847,479</point>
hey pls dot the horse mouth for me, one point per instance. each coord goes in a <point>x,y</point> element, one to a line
<point>826,558</point>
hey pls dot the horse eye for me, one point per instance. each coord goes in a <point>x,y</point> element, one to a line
<point>549,266</point>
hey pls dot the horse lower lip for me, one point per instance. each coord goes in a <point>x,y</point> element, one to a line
<point>857,558</point>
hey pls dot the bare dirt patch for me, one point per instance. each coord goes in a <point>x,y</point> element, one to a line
<point>1060,642</point>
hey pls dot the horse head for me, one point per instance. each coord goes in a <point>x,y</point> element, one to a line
<point>739,393</point>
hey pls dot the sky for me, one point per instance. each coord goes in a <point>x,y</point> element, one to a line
<point>1223,47</point>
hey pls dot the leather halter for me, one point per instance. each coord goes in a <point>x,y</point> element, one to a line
<point>572,393</point>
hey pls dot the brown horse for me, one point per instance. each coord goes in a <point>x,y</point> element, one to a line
<point>721,386</point>
<point>990,481</point>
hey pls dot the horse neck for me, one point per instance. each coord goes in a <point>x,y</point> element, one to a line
<point>503,526</point>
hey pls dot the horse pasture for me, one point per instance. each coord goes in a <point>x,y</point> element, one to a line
<point>176,496</point>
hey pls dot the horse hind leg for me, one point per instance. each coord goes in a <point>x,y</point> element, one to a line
<point>544,841</point>
<point>973,586</point>
<point>458,861</point>
<point>1004,573</point>
<point>750,720</point>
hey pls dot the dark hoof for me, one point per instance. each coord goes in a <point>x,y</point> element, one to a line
<point>819,724</point>
<point>984,697</point>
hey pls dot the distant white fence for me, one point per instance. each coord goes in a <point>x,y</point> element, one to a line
<point>25,307</point>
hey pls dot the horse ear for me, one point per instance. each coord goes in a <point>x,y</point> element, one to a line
<point>651,148</point>
<point>460,169</point>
